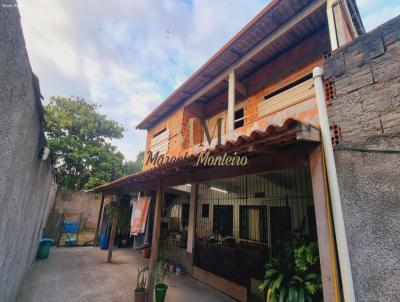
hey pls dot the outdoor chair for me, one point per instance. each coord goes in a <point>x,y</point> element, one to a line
<point>71,230</point>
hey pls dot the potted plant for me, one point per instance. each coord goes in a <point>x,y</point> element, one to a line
<point>160,287</point>
<point>141,285</point>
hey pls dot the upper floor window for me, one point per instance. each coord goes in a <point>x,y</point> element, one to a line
<point>239,118</point>
<point>160,142</point>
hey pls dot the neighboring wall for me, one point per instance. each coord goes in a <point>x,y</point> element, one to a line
<point>27,184</point>
<point>79,205</point>
<point>366,76</point>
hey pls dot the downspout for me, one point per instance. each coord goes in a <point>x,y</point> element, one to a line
<point>340,232</point>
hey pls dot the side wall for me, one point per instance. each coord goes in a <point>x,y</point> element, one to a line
<point>26,182</point>
<point>366,108</point>
<point>75,203</point>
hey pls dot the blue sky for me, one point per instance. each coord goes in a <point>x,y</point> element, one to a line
<point>128,55</point>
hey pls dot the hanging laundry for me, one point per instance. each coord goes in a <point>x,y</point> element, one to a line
<point>139,215</point>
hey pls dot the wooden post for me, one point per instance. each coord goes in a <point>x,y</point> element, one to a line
<point>155,240</point>
<point>231,105</point>
<point>97,234</point>
<point>192,218</point>
<point>112,237</point>
<point>326,242</point>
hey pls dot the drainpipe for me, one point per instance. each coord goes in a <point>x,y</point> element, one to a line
<point>340,232</point>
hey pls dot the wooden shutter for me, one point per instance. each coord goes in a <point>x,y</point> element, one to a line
<point>285,99</point>
<point>160,142</point>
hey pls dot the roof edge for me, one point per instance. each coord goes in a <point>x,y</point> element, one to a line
<point>266,9</point>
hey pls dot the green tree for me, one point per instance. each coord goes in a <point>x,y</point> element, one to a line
<point>130,166</point>
<point>79,139</point>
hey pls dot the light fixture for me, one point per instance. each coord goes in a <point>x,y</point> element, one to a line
<point>219,190</point>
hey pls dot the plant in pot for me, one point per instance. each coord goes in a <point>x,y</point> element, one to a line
<point>160,287</point>
<point>141,285</point>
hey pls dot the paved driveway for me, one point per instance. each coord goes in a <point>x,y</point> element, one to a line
<point>82,274</point>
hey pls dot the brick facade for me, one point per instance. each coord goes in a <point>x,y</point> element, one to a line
<point>272,76</point>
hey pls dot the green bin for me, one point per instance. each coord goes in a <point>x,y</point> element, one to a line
<point>44,248</point>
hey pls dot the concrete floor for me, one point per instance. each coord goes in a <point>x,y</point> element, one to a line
<point>82,274</point>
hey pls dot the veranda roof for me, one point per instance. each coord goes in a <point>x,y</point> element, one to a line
<point>275,142</point>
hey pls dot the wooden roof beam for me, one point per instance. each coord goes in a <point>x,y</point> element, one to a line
<point>289,25</point>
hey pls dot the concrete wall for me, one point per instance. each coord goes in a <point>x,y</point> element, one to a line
<point>366,76</point>
<point>26,182</point>
<point>76,204</point>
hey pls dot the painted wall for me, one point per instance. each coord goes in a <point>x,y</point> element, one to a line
<point>366,108</point>
<point>27,186</point>
<point>80,205</point>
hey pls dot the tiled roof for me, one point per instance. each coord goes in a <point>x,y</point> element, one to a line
<point>290,131</point>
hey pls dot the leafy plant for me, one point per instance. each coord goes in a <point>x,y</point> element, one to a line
<point>120,212</point>
<point>161,270</point>
<point>141,283</point>
<point>294,275</point>
<point>80,140</point>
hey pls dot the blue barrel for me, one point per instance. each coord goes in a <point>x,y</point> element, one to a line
<point>71,227</point>
<point>104,242</point>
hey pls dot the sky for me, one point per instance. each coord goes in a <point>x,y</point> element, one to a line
<point>129,55</point>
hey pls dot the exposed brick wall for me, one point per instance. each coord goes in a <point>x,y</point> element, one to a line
<point>272,76</point>
<point>366,107</point>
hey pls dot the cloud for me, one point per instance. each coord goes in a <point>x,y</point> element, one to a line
<point>376,12</point>
<point>128,55</point>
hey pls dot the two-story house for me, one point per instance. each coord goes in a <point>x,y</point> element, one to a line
<point>233,156</point>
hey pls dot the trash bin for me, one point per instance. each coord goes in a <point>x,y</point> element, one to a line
<point>104,242</point>
<point>44,248</point>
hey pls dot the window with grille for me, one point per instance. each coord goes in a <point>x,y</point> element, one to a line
<point>223,220</point>
<point>205,210</point>
<point>253,223</point>
<point>239,118</point>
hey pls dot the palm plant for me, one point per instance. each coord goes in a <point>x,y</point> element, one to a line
<point>141,283</point>
<point>162,271</point>
<point>293,276</point>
